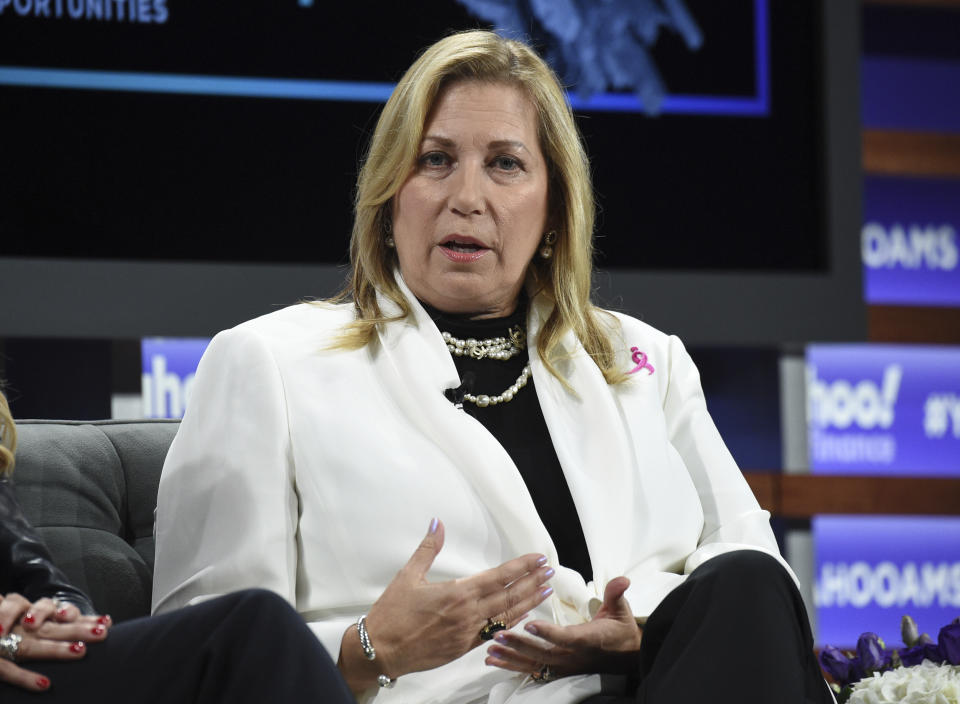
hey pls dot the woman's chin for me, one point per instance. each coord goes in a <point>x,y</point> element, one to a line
<point>471,301</point>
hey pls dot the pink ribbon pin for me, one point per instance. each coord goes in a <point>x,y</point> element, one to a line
<point>640,358</point>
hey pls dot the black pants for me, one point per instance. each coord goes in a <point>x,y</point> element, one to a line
<point>735,631</point>
<point>250,646</point>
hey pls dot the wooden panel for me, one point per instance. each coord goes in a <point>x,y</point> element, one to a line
<point>805,495</point>
<point>766,487</point>
<point>914,324</point>
<point>895,153</point>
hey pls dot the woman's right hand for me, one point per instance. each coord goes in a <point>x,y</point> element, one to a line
<point>418,625</point>
<point>48,630</point>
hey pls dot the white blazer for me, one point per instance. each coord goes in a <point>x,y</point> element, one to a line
<point>315,473</point>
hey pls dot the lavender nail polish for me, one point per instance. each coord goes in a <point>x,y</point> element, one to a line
<point>541,561</point>
<point>546,592</point>
<point>531,629</point>
<point>549,573</point>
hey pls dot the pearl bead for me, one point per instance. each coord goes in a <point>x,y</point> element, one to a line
<point>483,400</point>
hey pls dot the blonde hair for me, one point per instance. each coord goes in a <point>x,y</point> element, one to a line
<point>8,437</point>
<point>565,278</point>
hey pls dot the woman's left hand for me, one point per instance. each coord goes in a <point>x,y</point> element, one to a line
<point>610,643</point>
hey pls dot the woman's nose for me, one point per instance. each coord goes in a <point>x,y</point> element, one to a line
<point>467,197</point>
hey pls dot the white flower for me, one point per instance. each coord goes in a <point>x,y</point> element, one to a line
<point>925,683</point>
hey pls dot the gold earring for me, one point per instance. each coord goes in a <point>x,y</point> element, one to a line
<point>546,250</point>
<point>389,241</point>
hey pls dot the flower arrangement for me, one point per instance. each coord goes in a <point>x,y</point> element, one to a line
<point>923,671</point>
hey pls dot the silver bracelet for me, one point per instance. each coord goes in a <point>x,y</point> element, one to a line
<point>370,652</point>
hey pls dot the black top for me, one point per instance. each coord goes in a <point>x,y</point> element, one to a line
<point>25,564</point>
<point>520,428</point>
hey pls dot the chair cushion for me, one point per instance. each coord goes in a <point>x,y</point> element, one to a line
<point>90,489</point>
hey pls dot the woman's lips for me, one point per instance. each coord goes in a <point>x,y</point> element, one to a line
<point>462,249</point>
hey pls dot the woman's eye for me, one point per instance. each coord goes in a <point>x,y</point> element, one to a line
<point>434,159</point>
<point>507,163</point>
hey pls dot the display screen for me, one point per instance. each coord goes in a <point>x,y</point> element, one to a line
<point>873,570</point>
<point>884,409</point>
<point>165,130</point>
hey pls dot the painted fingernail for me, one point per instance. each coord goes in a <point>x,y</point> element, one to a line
<point>104,619</point>
<point>531,629</point>
<point>77,647</point>
<point>43,683</point>
<point>541,561</point>
<point>98,630</point>
<point>546,592</point>
<point>29,618</point>
<point>62,612</point>
<point>494,651</point>
<point>549,573</point>
<point>500,637</point>
<point>433,526</point>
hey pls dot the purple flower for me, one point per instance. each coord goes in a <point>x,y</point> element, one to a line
<point>912,656</point>
<point>949,640</point>
<point>871,652</point>
<point>933,653</point>
<point>836,664</point>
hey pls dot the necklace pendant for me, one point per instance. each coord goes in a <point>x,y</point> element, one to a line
<point>518,336</point>
<point>478,352</point>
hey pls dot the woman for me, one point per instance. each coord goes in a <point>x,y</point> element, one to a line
<point>52,642</point>
<point>465,374</point>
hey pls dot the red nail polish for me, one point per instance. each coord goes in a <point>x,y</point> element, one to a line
<point>1,629</point>
<point>62,612</point>
<point>43,682</point>
<point>77,647</point>
<point>29,618</point>
<point>98,630</point>
<point>104,619</point>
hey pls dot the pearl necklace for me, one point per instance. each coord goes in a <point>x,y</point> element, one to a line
<point>499,348</point>
<point>483,400</point>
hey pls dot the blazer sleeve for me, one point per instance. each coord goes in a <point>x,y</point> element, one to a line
<point>227,506</point>
<point>733,520</point>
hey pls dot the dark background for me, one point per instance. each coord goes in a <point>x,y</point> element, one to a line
<point>119,175</point>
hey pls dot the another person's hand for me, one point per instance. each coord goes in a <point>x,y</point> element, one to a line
<point>47,630</point>
<point>417,625</point>
<point>610,643</point>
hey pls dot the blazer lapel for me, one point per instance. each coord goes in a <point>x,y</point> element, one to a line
<point>415,368</point>
<point>591,439</point>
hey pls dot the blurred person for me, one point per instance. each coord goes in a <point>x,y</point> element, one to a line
<point>244,647</point>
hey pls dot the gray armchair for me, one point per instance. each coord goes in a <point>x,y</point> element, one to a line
<point>90,489</point>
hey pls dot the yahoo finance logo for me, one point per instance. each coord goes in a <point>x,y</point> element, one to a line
<point>850,405</point>
<point>169,366</point>
<point>886,409</point>
<point>842,403</point>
